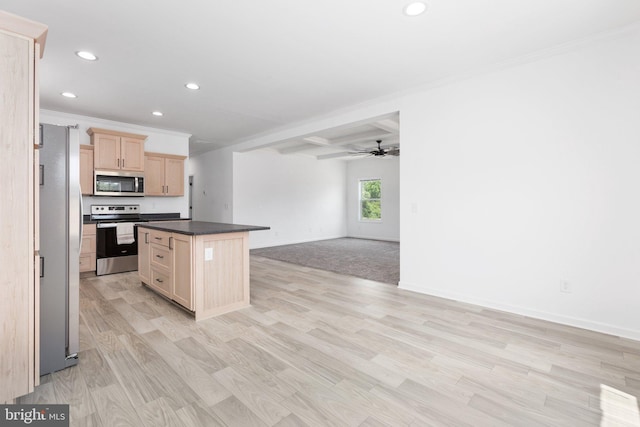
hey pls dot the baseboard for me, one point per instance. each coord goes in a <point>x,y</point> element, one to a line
<point>374,238</point>
<point>523,311</point>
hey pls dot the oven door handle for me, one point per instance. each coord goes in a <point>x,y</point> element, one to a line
<point>112,224</point>
<point>106,225</point>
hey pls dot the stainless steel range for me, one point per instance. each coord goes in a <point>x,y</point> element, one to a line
<point>116,240</point>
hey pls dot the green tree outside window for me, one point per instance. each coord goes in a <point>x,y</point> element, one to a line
<point>370,197</point>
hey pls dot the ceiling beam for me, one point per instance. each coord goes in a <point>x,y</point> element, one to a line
<point>309,143</point>
<point>370,136</point>
<point>388,125</point>
<point>317,140</point>
<point>334,155</point>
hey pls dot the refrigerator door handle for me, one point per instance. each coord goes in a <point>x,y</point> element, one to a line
<point>41,267</point>
<point>81,220</point>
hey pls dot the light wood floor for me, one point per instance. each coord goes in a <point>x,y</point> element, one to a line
<point>321,349</point>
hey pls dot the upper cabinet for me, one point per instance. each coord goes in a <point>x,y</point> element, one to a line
<point>117,150</point>
<point>164,174</point>
<point>21,44</point>
<point>86,169</point>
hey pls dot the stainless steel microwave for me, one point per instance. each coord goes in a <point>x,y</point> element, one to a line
<point>110,183</point>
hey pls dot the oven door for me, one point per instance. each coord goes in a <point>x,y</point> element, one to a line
<point>107,242</point>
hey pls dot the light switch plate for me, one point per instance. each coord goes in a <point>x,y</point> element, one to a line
<point>208,254</point>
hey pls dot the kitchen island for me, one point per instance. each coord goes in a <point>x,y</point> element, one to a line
<point>203,266</point>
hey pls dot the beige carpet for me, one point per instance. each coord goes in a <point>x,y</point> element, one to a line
<point>369,259</point>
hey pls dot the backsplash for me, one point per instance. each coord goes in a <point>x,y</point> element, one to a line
<point>147,204</point>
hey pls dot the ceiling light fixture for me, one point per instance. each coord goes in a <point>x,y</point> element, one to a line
<point>192,86</point>
<point>86,55</point>
<point>157,113</point>
<point>69,95</point>
<point>416,8</point>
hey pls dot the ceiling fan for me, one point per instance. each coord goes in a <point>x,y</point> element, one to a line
<point>380,152</point>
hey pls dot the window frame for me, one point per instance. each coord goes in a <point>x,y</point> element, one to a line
<point>361,181</point>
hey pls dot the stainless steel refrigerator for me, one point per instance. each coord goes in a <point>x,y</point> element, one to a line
<point>60,238</point>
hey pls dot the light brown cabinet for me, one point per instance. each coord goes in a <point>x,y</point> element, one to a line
<point>88,248</point>
<point>207,274</point>
<point>115,150</point>
<point>21,42</point>
<point>182,270</point>
<point>144,248</point>
<point>164,264</point>
<point>164,174</point>
<point>86,169</point>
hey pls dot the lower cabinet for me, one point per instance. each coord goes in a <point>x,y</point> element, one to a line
<point>88,248</point>
<point>164,264</point>
<point>182,270</point>
<point>207,274</point>
<point>144,247</point>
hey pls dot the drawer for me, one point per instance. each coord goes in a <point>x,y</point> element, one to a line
<point>88,244</point>
<point>159,237</point>
<point>88,230</point>
<point>160,256</point>
<point>88,262</point>
<point>161,281</point>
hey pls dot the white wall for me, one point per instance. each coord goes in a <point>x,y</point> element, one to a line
<point>212,186</point>
<point>516,180</point>
<point>300,198</point>
<point>160,141</point>
<point>388,170</point>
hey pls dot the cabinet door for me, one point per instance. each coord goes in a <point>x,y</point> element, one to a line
<point>18,280</point>
<point>144,268</point>
<point>106,153</point>
<point>182,270</point>
<point>132,154</point>
<point>174,177</point>
<point>86,170</point>
<point>154,176</point>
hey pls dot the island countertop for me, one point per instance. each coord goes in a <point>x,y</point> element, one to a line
<point>198,228</point>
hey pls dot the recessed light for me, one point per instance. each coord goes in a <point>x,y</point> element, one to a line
<point>192,86</point>
<point>69,95</point>
<point>157,113</point>
<point>87,55</point>
<point>416,8</point>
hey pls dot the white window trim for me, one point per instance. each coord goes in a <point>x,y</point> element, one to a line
<point>366,220</point>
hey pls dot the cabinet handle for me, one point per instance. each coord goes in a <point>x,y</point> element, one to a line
<point>167,190</point>
<point>122,162</point>
<point>146,237</point>
<point>159,256</point>
<point>159,280</point>
<point>158,238</point>
<point>118,162</point>
<point>170,241</point>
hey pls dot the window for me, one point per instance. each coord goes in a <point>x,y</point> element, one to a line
<point>370,195</point>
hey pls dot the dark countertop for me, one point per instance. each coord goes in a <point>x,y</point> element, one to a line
<point>196,228</point>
